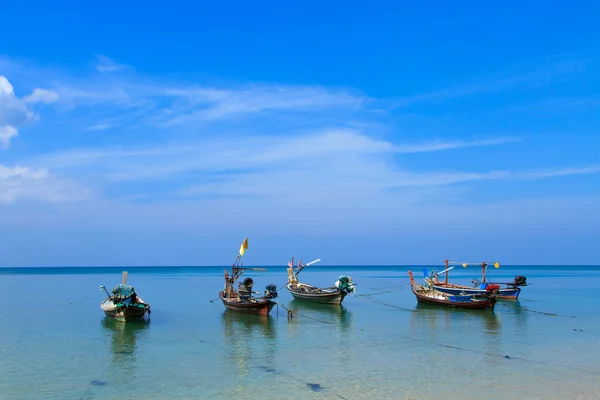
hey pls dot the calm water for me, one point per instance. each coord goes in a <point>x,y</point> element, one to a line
<point>56,344</point>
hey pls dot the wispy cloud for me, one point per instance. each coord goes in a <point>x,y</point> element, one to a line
<point>543,76</point>
<point>160,102</point>
<point>328,166</point>
<point>106,64</point>
<point>449,145</point>
<point>244,153</point>
<point>263,140</point>
<point>551,173</point>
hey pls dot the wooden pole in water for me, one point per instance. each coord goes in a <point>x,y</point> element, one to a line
<point>124,277</point>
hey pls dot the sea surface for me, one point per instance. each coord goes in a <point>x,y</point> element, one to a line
<point>55,342</point>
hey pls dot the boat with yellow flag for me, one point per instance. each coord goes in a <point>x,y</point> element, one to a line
<point>502,290</point>
<point>242,299</point>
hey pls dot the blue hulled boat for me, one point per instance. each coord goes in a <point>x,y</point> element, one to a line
<point>502,290</point>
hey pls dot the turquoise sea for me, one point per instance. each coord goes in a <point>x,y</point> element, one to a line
<point>55,342</point>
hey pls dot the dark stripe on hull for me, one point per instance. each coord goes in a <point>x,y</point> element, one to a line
<point>505,294</point>
<point>473,304</point>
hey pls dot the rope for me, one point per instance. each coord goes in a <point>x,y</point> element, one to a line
<point>505,356</point>
<point>76,302</point>
<point>537,312</point>
<point>306,316</point>
<point>387,291</point>
<point>98,378</point>
<point>385,304</point>
<point>37,310</point>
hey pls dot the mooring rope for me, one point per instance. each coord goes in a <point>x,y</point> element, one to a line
<point>507,357</point>
<point>395,288</point>
<point>306,316</point>
<point>358,296</point>
<point>76,302</point>
<point>91,385</point>
<point>534,311</point>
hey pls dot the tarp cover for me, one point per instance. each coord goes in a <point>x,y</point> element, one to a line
<point>123,293</point>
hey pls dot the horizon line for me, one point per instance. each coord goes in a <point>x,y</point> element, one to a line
<point>284,265</point>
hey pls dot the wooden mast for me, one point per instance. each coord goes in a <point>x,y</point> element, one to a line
<point>483,274</point>
<point>446,272</point>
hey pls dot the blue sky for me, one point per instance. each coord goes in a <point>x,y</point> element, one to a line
<point>359,133</point>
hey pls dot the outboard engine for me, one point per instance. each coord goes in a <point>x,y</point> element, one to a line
<point>344,283</point>
<point>271,291</point>
<point>245,288</point>
<point>520,280</point>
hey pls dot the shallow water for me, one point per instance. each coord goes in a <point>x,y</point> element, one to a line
<point>55,342</point>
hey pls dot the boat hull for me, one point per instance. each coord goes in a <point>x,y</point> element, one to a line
<point>443,299</point>
<point>124,313</point>
<point>503,293</point>
<point>260,306</point>
<point>335,297</point>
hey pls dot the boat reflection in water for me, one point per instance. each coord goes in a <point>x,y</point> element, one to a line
<point>471,330</point>
<point>432,317</point>
<point>251,341</point>
<point>333,314</point>
<point>123,346</point>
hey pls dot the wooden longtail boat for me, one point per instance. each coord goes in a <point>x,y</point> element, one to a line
<point>503,290</point>
<point>242,299</point>
<point>124,304</point>
<point>427,294</point>
<point>313,294</point>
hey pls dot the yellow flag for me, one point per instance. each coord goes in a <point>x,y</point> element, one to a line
<point>465,265</point>
<point>496,264</point>
<point>243,247</point>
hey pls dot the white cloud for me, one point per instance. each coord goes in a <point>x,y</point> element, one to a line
<point>21,172</point>
<point>6,133</point>
<point>41,96</point>
<point>14,111</point>
<point>22,183</point>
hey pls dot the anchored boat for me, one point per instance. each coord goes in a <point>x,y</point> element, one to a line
<point>427,294</point>
<point>124,304</point>
<point>305,292</point>
<point>242,299</point>
<point>502,290</point>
